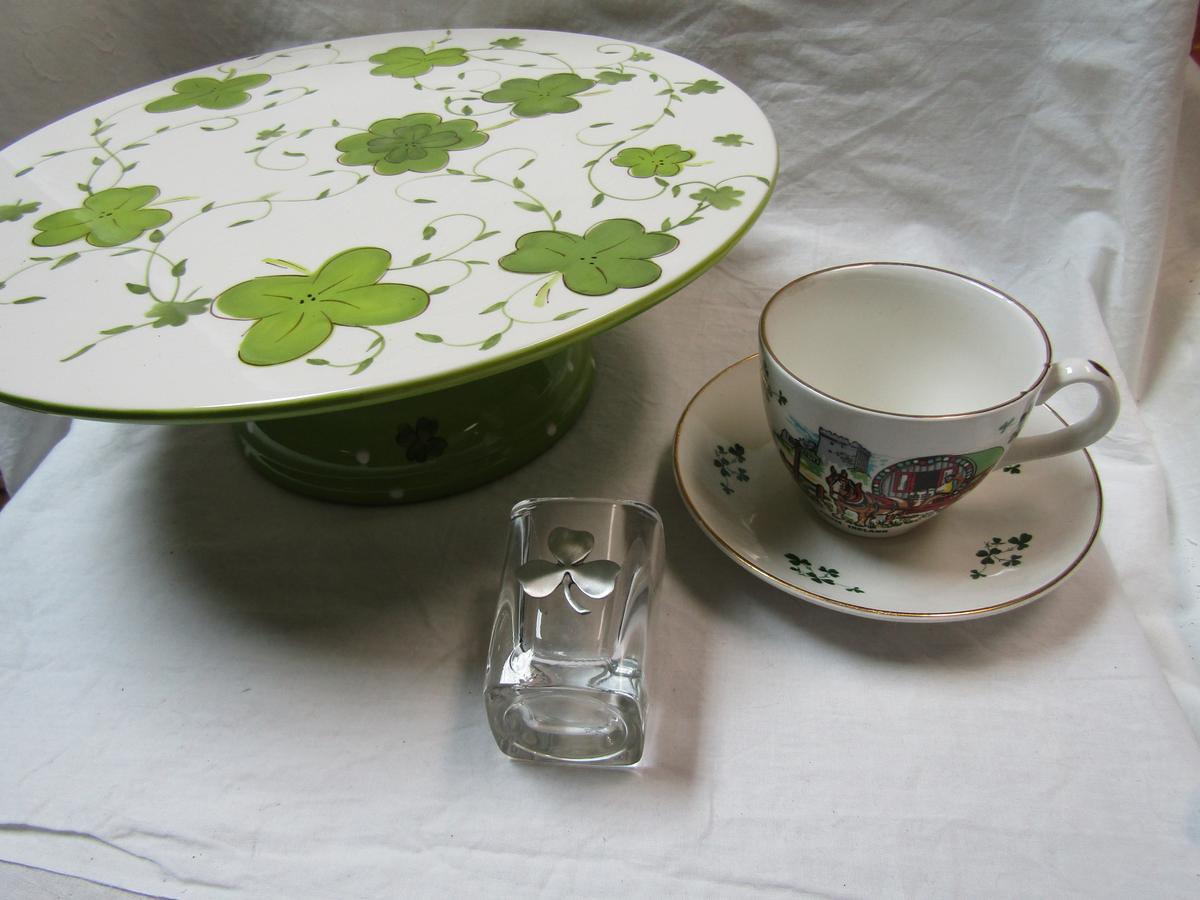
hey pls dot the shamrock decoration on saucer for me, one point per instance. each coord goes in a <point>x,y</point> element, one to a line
<point>296,313</point>
<point>596,579</point>
<point>611,254</point>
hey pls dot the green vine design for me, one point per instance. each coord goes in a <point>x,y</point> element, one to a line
<point>1004,554</point>
<point>729,462</point>
<point>819,574</point>
<point>720,195</point>
<point>233,94</point>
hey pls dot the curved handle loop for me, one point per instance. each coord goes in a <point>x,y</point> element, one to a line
<point>1079,435</point>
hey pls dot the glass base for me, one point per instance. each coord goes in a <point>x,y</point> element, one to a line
<point>566,725</point>
<point>429,445</point>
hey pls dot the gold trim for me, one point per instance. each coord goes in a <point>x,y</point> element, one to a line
<point>830,602</point>
<point>762,337</point>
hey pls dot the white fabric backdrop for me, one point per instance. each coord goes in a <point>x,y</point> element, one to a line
<point>211,688</point>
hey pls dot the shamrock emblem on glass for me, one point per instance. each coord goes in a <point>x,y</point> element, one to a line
<point>595,579</point>
<point>567,688</point>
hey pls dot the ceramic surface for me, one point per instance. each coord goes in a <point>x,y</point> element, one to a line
<point>893,389</point>
<point>1010,541</point>
<point>362,220</point>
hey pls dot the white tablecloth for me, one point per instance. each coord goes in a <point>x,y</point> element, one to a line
<point>212,688</point>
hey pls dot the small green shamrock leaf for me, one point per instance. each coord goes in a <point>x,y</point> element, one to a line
<point>666,159</point>
<point>267,133</point>
<point>106,219</point>
<point>12,212</point>
<point>703,86</point>
<point>208,93</point>
<point>296,313</point>
<point>418,142</point>
<point>723,197</point>
<point>531,98</point>
<point>176,314</point>
<point>612,254</point>
<point>421,441</point>
<point>409,62</point>
<point>508,43</point>
<point>607,77</point>
<point>641,56</point>
<point>730,140</point>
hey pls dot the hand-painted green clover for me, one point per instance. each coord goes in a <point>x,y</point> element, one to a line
<point>508,43</point>
<point>409,62</point>
<point>267,133</point>
<point>176,314</point>
<point>296,313</point>
<point>703,86</point>
<point>421,442</point>
<point>641,56</point>
<point>531,98</point>
<point>419,142</point>
<point>720,198</point>
<point>612,254</point>
<point>607,77</point>
<point>666,159</point>
<point>731,140</point>
<point>12,212</point>
<point>107,218</point>
<point>208,93</point>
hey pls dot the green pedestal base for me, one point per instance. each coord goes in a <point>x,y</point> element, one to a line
<point>426,446</point>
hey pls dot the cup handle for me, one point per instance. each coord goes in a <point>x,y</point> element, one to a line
<point>1079,435</point>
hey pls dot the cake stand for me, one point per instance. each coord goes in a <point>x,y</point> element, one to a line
<point>381,257</point>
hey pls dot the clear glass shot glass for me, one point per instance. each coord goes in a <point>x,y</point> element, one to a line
<point>565,676</point>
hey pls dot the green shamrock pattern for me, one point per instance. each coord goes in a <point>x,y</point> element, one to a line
<point>612,254</point>
<point>664,160</point>
<point>1001,554</point>
<point>409,62</point>
<point>13,212</point>
<point>106,219</point>
<point>821,575</point>
<point>295,314</point>
<point>724,197</point>
<point>531,98</point>
<point>439,122</point>
<point>703,86</point>
<point>418,142</point>
<point>208,93</point>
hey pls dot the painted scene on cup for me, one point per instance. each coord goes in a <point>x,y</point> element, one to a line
<point>869,493</point>
<point>872,494</point>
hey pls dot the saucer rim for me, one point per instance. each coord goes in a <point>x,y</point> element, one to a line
<point>853,608</point>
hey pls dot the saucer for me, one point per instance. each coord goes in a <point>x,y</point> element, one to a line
<point>1013,539</point>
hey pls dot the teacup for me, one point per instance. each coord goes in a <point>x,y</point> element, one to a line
<point>892,389</point>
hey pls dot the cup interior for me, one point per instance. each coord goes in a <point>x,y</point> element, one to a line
<point>905,339</point>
